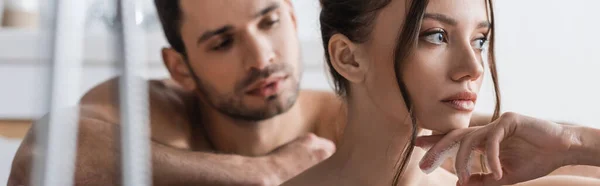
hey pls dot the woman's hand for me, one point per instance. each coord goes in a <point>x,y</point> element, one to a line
<point>517,148</point>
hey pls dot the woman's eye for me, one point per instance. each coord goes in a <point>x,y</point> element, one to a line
<point>480,43</point>
<point>438,37</point>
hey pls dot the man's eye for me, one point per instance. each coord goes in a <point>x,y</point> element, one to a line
<point>270,22</point>
<point>225,44</point>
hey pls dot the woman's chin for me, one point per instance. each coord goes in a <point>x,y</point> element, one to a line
<point>446,125</point>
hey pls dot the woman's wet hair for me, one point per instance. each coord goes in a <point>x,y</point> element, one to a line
<point>355,20</point>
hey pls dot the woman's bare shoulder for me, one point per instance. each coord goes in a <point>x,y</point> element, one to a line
<point>561,180</point>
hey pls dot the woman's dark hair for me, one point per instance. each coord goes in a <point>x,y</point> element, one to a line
<point>354,19</point>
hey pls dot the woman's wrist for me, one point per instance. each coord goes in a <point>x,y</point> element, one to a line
<point>585,146</point>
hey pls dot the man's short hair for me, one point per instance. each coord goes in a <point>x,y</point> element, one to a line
<point>169,12</point>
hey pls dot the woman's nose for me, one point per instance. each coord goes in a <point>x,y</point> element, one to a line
<point>468,66</point>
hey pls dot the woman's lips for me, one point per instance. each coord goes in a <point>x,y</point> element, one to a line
<point>462,101</point>
<point>461,105</point>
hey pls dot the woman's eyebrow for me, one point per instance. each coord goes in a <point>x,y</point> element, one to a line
<point>442,18</point>
<point>451,21</point>
<point>484,24</point>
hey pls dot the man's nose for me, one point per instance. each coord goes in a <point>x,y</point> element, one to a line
<point>259,52</point>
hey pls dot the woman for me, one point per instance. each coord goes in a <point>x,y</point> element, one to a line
<point>425,81</point>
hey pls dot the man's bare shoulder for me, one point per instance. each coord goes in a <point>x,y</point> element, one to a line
<point>169,109</point>
<point>321,104</point>
<point>107,91</point>
<point>102,101</point>
<point>328,110</point>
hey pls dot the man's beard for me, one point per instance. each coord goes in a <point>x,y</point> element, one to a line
<point>232,104</point>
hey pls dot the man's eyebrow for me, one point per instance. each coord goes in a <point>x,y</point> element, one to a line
<point>270,8</point>
<point>208,34</point>
<point>442,18</point>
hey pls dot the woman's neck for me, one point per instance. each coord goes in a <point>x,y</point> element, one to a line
<point>373,144</point>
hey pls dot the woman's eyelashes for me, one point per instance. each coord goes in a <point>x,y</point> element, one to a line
<point>435,36</point>
<point>480,43</point>
<point>439,36</point>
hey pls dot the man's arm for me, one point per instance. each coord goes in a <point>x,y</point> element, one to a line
<point>97,161</point>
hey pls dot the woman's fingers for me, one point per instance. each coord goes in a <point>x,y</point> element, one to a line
<point>443,148</point>
<point>426,142</point>
<point>488,138</point>
<point>493,150</point>
<point>463,157</point>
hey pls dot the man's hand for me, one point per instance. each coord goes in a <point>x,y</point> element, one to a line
<point>297,156</point>
<point>517,148</point>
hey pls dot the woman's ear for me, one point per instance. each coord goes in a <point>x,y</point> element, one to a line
<point>346,59</point>
<point>178,68</point>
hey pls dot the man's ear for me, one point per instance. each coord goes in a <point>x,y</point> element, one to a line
<point>178,68</point>
<point>292,12</point>
<point>346,59</point>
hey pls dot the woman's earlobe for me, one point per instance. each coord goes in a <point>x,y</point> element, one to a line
<point>344,59</point>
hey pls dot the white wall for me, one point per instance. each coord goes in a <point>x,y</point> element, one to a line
<point>548,58</point>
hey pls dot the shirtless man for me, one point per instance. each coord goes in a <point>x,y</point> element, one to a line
<point>232,101</point>
<point>234,89</point>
